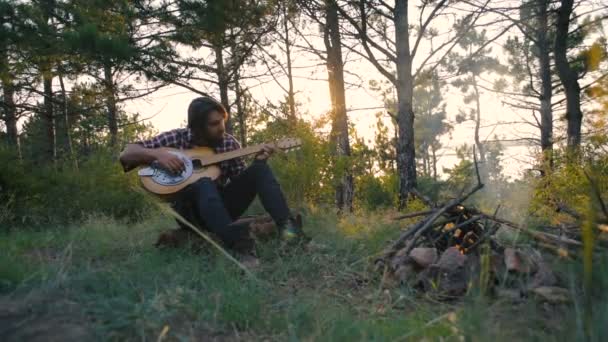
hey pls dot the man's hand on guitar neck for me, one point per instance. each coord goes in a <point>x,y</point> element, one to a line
<point>266,152</point>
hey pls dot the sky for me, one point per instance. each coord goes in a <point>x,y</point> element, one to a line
<point>167,107</point>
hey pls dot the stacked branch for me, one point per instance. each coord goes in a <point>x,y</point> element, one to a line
<point>442,247</point>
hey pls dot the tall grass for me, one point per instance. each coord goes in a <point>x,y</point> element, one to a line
<point>127,289</point>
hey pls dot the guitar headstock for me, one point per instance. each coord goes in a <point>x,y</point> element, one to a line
<point>287,144</point>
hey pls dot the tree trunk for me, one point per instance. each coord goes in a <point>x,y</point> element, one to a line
<point>223,85</point>
<point>480,148</point>
<point>240,113</point>
<point>10,112</point>
<point>339,131</point>
<point>111,103</point>
<point>66,118</point>
<point>46,71</point>
<point>290,94</point>
<point>238,97</point>
<point>546,114</point>
<point>568,76</point>
<point>406,155</point>
<point>425,159</point>
<point>48,116</point>
<point>434,162</point>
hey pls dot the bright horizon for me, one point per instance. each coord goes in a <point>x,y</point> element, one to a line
<point>169,106</point>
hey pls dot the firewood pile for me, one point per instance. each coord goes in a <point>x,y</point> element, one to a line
<point>453,246</point>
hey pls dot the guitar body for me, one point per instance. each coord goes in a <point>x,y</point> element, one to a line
<point>199,162</point>
<point>160,182</point>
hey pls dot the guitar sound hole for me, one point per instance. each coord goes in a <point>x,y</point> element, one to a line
<point>196,164</point>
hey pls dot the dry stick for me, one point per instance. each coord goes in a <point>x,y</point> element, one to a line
<point>476,166</point>
<point>454,202</point>
<point>467,222</point>
<point>414,214</point>
<point>207,238</point>
<point>165,208</point>
<point>406,235</point>
<point>423,198</point>
<point>429,221</point>
<point>560,252</point>
<point>544,237</point>
<point>487,231</point>
<point>460,225</point>
<point>563,208</point>
<point>568,231</point>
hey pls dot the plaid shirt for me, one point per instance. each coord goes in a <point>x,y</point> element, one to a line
<point>181,138</point>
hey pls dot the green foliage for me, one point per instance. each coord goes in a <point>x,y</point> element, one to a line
<point>569,184</point>
<point>36,194</point>
<point>376,192</point>
<point>304,173</point>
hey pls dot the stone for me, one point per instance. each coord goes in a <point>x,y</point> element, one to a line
<point>263,230</point>
<point>400,252</point>
<point>423,256</point>
<point>405,274</point>
<point>444,283</point>
<point>516,262</point>
<point>397,261</point>
<point>511,295</point>
<point>452,258</point>
<point>552,294</point>
<point>544,276</point>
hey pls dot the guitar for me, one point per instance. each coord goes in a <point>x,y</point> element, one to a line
<point>199,162</point>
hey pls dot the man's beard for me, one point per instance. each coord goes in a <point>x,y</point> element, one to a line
<point>214,142</point>
<point>207,140</point>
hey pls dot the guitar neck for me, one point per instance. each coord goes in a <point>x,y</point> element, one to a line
<point>242,152</point>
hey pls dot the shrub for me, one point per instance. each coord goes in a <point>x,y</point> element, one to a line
<point>35,194</point>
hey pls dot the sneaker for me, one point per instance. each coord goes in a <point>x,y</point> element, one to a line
<point>292,231</point>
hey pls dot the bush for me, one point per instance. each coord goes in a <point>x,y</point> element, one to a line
<point>569,185</point>
<point>305,174</point>
<point>34,194</point>
<point>374,192</point>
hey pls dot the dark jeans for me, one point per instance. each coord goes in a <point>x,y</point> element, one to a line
<point>212,207</point>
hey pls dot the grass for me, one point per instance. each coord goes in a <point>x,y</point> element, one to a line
<point>108,277</point>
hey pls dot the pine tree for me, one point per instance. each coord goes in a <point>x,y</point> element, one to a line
<point>471,64</point>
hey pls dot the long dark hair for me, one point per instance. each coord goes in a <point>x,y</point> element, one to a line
<point>199,110</point>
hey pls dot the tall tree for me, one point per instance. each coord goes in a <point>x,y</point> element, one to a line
<point>568,75</point>
<point>470,64</point>
<point>546,88</point>
<point>339,132</point>
<point>126,47</point>
<point>227,32</point>
<point>7,43</point>
<point>278,51</point>
<point>393,58</point>
<point>529,67</point>
<point>430,122</point>
<point>326,14</point>
<point>287,13</point>
<point>48,35</point>
<point>536,83</point>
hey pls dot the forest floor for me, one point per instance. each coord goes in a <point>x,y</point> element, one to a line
<point>105,280</point>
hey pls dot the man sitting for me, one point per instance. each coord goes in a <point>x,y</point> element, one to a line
<point>210,204</point>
